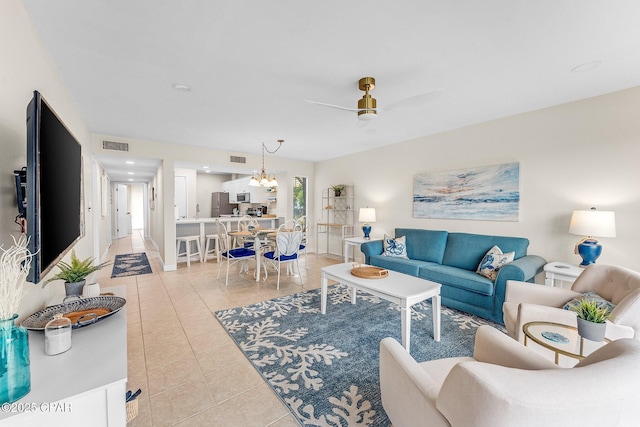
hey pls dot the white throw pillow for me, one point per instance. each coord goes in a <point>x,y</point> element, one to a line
<point>492,261</point>
<point>395,247</point>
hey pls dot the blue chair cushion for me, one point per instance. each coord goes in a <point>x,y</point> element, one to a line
<point>239,253</point>
<point>271,255</point>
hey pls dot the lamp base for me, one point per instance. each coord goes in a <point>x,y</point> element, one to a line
<point>589,250</point>
<point>366,229</point>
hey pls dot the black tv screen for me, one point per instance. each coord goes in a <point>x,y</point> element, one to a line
<point>54,187</point>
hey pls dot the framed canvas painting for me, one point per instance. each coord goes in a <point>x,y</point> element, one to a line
<point>489,193</point>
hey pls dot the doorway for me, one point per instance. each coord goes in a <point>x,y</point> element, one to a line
<point>123,215</point>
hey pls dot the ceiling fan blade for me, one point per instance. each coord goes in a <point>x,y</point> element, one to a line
<point>415,101</point>
<point>322,104</point>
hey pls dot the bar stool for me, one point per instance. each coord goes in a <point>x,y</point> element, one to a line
<point>215,250</point>
<point>187,243</point>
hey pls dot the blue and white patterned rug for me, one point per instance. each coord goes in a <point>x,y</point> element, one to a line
<point>326,367</point>
<point>131,265</point>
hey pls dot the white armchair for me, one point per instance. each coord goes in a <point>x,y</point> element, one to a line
<point>526,302</point>
<point>506,384</point>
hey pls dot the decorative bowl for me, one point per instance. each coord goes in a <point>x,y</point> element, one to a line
<point>38,320</point>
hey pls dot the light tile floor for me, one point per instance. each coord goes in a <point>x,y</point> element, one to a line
<point>190,372</point>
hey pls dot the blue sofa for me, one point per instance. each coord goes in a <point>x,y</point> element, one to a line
<point>451,259</point>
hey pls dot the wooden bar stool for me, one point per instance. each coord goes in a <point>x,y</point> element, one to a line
<point>215,250</point>
<point>187,243</point>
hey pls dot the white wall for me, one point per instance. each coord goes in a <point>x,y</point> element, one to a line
<point>571,156</point>
<point>27,66</point>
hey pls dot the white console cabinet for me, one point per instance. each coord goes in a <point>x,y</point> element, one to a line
<point>84,386</point>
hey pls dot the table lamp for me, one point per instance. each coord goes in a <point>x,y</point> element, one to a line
<point>367,215</point>
<point>591,223</point>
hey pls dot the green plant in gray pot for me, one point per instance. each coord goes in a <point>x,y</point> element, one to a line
<point>75,273</point>
<point>591,319</point>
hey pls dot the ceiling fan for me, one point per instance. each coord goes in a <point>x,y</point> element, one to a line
<point>367,106</point>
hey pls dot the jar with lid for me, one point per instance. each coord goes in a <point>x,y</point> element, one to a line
<point>57,335</point>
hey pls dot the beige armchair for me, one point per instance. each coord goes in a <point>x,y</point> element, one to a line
<point>506,384</point>
<point>526,302</point>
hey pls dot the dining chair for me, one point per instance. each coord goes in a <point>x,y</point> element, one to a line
<point>231,255</point>
<point>288,239</point>
<point>303,244</point>
<point>245,223</point>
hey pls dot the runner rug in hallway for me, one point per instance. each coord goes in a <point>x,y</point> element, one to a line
<point>131,265</point>
<point>325,368</point>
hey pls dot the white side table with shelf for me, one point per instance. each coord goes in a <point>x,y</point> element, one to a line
<point>355,242</point>
<point>562,272</point>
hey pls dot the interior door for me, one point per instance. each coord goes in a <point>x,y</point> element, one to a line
<point>123,216</point>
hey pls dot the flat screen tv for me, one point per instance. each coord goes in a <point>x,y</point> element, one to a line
<point>54,188</point>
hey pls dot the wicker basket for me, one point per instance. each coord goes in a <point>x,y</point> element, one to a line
<point>132,409</point>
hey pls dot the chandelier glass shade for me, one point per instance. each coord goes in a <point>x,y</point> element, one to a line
<point>262,179</point>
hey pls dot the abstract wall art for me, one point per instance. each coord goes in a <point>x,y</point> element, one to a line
<point>489,193</point>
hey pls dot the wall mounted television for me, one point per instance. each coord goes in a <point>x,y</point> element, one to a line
<point>54,188</point>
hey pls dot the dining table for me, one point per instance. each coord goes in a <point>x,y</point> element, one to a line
<point>259,237</point>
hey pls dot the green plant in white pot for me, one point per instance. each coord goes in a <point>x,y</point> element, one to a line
<point>75,273</point>
<point>591,319</point>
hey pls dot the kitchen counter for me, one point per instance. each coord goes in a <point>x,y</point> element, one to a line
<point>204,226</point>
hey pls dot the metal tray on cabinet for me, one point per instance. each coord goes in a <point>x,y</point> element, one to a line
<point>38,320</point>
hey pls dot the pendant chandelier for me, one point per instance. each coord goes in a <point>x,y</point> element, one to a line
<point>262,179</point>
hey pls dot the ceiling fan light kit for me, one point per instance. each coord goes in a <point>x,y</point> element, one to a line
<point>262,179</point>
<point>367,105</point>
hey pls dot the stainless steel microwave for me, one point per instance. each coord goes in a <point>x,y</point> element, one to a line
<point>243,198</point>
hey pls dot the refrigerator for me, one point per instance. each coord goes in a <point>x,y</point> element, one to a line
<point>220,204</point>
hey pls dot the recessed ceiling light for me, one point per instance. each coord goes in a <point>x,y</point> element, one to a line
<point>205,167</point>
<point>130,162</point>
<point>130,179</point>
<point>131,173</point>
<point>181,87</point>
<point>587,66</point>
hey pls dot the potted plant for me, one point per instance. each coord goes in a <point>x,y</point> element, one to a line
<point>337,189</point>
<point>75,274</point>
<point>591,319</point>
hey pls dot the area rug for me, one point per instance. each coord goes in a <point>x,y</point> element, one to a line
<point>325,368</point>
<point>131,265</point>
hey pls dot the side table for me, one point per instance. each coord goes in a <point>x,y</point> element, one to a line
<point>562,272</point>
<point>355,241</point>
<point>561,339</point>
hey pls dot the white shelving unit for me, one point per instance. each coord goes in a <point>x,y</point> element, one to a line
<point>337,220</point>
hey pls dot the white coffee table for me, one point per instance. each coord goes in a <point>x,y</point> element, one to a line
<point>398,288</point>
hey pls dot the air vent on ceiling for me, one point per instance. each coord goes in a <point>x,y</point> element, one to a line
<point>237,159</point>
<point>112,145</point>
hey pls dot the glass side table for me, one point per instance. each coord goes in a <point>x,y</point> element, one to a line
<point>561,339</point>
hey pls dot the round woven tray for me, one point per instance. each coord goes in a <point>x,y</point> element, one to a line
<point>370,272</point>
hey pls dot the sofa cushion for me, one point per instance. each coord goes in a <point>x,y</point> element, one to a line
<point>401,265</point>
<point>425,245</point>
<point>395,247</point>
<point>492,261</point>
<point>457,278</point>
<point>464,250</point>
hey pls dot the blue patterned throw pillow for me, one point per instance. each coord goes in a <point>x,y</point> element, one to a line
<point>600,302</point>
<point>395,247</point>
<point>492,261</point>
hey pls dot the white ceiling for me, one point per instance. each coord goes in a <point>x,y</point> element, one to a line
<point>251,64</point>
